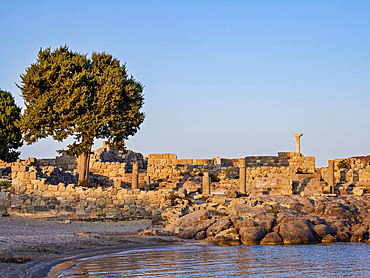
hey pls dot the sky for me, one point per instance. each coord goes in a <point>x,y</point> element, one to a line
<point>229,78</point>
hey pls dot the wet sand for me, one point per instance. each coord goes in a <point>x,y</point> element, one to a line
<point>51,242</point>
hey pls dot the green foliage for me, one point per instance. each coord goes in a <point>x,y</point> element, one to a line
<point>294,192</point>
<point>344,164</point>
<point>221,213</point>
<point>10,133</point>
<point>68,94</point>
<point>274,211</point>
<point>204,198</point>
<point>7,184</point>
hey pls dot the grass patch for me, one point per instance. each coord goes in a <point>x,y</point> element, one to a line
<point>274,211</point>
<point>221,213</point>
<point>5,184</point>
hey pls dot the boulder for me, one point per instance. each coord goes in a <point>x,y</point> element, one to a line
<point>221,224</point>
<point>245,210</point>
<point>296,232</point>
<point>358,191</point>
<point>252,235</point>
<point>192,232</point>
<point>200,235</point>
<point>226,236</point>
<point>329,239</point>
<point>272,239</point>
<point>238,223</point>
<point>321,231</point>
<point>359,235</point>
<point>343,235</point>
<point>188,233</point>
<point>189,220</point>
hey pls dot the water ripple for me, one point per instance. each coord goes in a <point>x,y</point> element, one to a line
<point>332,260</point>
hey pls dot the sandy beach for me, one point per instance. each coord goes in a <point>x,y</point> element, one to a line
<point>51,242</point>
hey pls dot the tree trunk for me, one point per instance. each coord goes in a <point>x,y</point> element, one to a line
<point>83,166</point>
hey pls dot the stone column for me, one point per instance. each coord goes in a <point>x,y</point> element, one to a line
<point>331,176</point>
<point>206,185</point>
<point>297,142</point>
<point>242,184</point>
<point>135,175</point>
<point>147,183</point>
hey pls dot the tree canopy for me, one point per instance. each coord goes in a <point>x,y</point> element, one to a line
<point>68,94</point>
<point>10,134</point>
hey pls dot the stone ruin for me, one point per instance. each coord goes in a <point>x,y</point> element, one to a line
<point>127,183</point>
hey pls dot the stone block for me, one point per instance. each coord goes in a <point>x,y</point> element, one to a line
<point>2,195</point>
<point>308,193</point>
<point>16,201</point>
<point>358,191</point>
<point>70,187</point>
<point>52,187</point>
<point>47,194</point>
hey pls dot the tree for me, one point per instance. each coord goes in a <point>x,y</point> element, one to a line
<point>68,94</point>
<point>10,134</point>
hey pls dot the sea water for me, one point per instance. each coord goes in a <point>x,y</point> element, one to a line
<point>324,260</point>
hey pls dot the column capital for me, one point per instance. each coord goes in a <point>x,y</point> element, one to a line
<point>297,142</point>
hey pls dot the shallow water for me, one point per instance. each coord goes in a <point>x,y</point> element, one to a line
<point>330,260</point>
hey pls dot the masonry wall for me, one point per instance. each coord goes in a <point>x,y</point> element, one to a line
<point>171,159</point>
<point>70,202</point>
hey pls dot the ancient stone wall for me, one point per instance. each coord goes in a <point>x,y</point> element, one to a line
<point>171,159</point>
<point>354,163</point>
<point>70,202</point>
<point>284,159</point>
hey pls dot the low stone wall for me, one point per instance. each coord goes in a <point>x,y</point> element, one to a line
<point>70,202</point>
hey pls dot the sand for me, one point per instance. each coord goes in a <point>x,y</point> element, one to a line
<point>51,242</point>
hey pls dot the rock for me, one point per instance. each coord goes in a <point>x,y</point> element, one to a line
<point>335,209</point>
<point>267,224</point>
<point>321,231</point>
<point>192,232</point>
<point>358,191</point>
<point>329,239</point>
<point>308,193</point>
<point>245,210</point>
<point>343,235</point>
<point>220,225</point>
<point>296,232</point>
<point>252,235</point>
<point>3,213</point>
<point>231,194</point>
<point>200,235</point>
<point>272,239</point>
<point>189,220</point>
<point>188,233</point>
<point>204,224</point>
<point>182,192</point>
<point>226,236</point>
<point>359,235</point>
<point>238,223</point>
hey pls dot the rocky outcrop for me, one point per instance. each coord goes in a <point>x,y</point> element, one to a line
<point>273,220</point>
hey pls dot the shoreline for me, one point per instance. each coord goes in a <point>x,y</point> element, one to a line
<point>56,267</point>
<point>50,243</point>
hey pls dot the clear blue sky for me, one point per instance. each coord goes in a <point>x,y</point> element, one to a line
<point>222,78</point>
